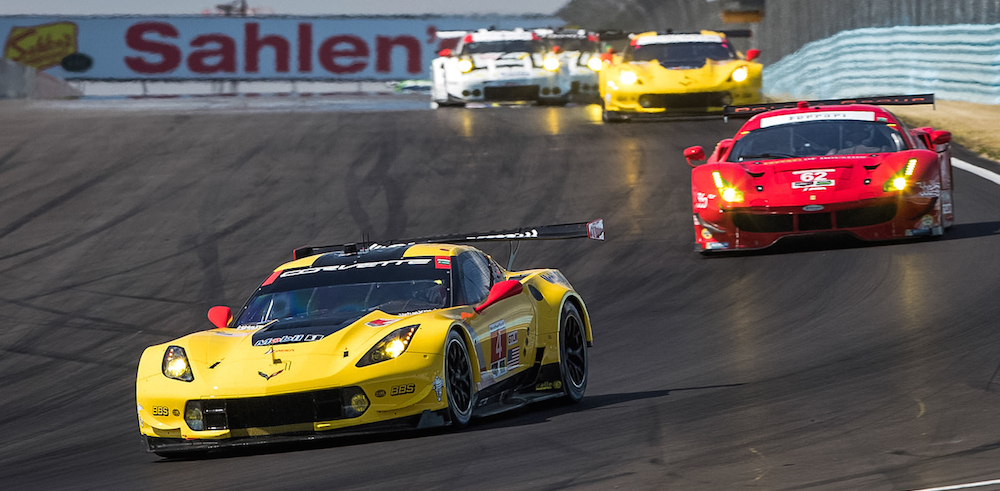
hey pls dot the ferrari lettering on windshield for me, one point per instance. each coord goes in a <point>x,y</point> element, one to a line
<point>817,116</point>
<point>345,267</point>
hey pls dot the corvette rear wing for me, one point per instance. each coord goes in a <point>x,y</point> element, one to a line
<point>889,100</point>
<point>593,229</point>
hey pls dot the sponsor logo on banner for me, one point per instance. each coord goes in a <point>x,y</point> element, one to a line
<point>41,46</point>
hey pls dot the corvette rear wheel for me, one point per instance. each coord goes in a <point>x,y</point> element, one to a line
<point>573,363</point>
<point>458,375</point>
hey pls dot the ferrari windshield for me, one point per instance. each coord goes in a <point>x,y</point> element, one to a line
<point>517,46</point>
<point>338,293</point>
<point>817,138</point>
<point>683,54</point>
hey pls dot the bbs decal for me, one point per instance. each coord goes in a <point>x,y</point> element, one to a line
<point>399,390</point>
<point>161,411</point>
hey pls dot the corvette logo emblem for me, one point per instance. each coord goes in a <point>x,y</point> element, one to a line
<point>687,81</point>
<point>268,377</point>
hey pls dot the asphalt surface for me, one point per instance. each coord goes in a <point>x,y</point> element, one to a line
<point>821,364</point>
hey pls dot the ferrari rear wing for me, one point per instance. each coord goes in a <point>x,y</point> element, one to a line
<point>889,100</point>
<point>593,229</point>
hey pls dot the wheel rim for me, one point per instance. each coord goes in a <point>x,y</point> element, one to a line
<point>459,377</point>
<point>576,354</point>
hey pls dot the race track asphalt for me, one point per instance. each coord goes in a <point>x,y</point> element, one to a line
<point>820,364</point>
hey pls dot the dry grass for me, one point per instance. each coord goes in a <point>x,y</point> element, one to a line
<point>974,126</point>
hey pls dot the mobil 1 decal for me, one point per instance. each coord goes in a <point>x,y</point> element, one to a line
<point>498,348</point>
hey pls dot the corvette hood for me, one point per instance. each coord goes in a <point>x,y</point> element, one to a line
<point>241,362</point>
<point>712,72</point>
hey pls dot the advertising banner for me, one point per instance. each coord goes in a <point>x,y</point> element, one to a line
<point>238,48</point>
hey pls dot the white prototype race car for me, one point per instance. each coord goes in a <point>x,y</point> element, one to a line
<point>580,53</point>
<point>499,66</point>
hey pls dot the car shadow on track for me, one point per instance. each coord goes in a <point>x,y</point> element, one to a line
<point>837,241</point>
<point>530,414</point>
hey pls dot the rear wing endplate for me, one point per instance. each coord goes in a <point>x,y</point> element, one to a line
<point>593,229</point>
<point>889,100</point>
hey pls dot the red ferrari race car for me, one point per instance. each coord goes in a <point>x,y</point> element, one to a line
<point>819,167</point>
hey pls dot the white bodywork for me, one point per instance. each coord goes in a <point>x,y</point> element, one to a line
<point>497,76</point>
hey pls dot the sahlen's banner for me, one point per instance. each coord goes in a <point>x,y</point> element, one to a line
<point>238,48</point>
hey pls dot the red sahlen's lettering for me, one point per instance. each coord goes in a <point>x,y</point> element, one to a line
<point>198,60</point>
<point>253,43</point>
<point>158,48</point>
<point>170,55</point>
<point>328,54</point>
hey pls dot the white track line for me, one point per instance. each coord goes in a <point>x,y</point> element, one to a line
<point>971,484</point>
<point>979,171</point>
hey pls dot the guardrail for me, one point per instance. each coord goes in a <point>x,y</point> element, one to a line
<point>958,62</point>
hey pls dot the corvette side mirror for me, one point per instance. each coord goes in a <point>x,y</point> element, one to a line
<point>220,316</point>
<point>444,52</point>
<point>940,137</point>
<point>501,291</point>
<point>695,153</point>
<point>753,54</point>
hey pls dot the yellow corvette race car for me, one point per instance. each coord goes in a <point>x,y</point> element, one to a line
<point>361,338</point>
<point>677,74</point>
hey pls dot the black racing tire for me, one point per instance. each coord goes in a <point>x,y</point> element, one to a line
<point>458,380</point>
<point>611,116</point>
<point>573,360</point>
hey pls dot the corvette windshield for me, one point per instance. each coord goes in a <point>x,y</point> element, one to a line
<point>817,138</point>
<point>683,54</point>
<point>521,46</point>
<point>332,295</point>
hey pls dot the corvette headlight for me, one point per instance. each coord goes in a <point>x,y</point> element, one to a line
<point>550,63</point>
<point>741,74</point>
<point>595,64</point>
<point>389,347</point>
<point>628,78</point>
<point>465,65</point>
<point>175,364</point>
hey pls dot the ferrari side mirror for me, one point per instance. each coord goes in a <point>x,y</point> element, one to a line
<point>501,291</point>
<point>695,154</point>
<point>220,316</point>
<point>753,54</point>
<point>940,137</point>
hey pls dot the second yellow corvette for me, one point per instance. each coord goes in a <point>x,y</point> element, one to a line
<point>671,74</point>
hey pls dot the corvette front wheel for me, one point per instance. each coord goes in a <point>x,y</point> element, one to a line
<point>458,379</point>
<point>611,116</point>
<point>573,363</point>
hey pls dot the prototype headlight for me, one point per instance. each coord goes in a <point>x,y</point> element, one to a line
<point>389,347</point>
<point>465,65</point>
<point>741,74</point>
<point>550,63</point>
<point>595,64</point>
<point>175,364</point>
<point>628,78</point>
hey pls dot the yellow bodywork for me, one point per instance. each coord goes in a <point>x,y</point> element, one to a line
<point>225,364</point>
<point>641,78</point>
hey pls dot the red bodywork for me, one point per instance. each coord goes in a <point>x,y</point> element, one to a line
<point>825,193</point>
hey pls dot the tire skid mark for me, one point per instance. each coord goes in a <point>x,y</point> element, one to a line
<point>110,325</point>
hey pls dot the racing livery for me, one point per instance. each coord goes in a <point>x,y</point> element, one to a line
<point>580,53</point>
<point>490,66</point>
<point>818,167</point>
<point>670,74</point>
<point>361,338</point>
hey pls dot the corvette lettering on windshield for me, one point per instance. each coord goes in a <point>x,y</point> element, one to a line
<point>345,267</point>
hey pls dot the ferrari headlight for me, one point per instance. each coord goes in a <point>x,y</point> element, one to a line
<point>728,192</point>
<point>465,65</point>
<point>175,364</point>
<point>741,74</point>
<point>628,78</point>
<point>899,183</point>
<point>389,347</point>
<point>595,64</point>
<point>550,63</point>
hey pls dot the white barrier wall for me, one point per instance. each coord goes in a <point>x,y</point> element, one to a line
<point>15,80</point>
<point>958,62</point>
<point>237,48</point>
